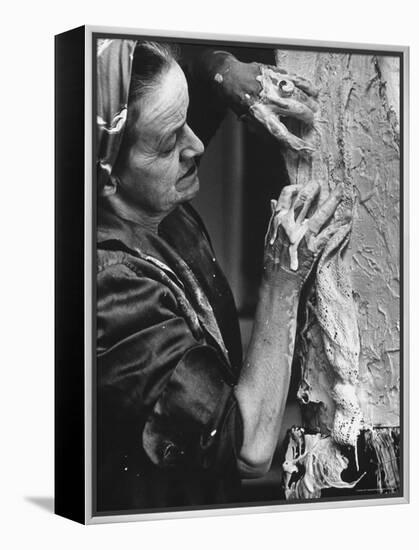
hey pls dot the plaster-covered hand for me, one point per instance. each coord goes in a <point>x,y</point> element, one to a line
<point>262,94</point>
<point>298,231</point>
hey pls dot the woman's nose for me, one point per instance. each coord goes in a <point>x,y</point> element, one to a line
<point>193,146</point>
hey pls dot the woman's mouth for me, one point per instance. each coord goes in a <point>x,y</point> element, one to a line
<point>190,172</point>
<point>188,179</point>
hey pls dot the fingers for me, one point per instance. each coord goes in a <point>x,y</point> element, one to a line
<point>287,106</point>
<point>272,226</point>
<point>305,199</point>
<point>286,198</point>
<point>273,205</point>
<point>285,96</point>
<point>280,209</point>
<point>265,115</point>
<point>317,244</point>
<point>326,210</point>
<point>303,83</point>
<point>304,98</point>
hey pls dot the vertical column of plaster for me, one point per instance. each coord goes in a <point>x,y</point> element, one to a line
<point>358,144</point>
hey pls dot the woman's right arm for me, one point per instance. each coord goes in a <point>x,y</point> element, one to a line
<point>263,385</point>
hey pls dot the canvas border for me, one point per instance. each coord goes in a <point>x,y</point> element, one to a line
<point>90,268</point>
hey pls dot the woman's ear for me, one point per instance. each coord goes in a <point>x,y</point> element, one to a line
<point>110,186</point>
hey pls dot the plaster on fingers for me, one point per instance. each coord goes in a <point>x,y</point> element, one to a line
<point>280,210</point>
<point>273,205</point>
<point>285,96</point>
<point>287,106</point>
<point>305,199</point>
<point>264,114</point>
<point>287,196</point>
<point>306,99</point>
<point>317,243</point>
<point>302,83</point>
<point>308,228</point>
<point>326,210</point>
<point>296,237</point>
<point>273,226</point>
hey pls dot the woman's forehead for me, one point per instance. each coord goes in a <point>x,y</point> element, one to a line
<point>165,105</point>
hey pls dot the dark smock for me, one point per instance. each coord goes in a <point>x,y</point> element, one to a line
<point>168,357</point>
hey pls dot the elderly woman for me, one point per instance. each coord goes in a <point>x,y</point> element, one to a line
<point>180,417</point>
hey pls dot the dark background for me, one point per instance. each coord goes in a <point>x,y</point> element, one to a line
<point>239,173</point>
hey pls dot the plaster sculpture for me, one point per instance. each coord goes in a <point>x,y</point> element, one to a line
<point>349,349</point>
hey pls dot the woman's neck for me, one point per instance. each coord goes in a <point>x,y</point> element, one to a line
<point>134,213</point>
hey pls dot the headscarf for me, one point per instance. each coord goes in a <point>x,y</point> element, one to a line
<point>114,64</point>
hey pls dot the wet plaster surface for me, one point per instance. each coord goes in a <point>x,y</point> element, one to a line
<point>357,143</point>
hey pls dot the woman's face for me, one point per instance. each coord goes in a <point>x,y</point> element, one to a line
<point>160,170</point>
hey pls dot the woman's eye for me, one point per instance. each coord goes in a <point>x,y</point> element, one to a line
<point>171,144</point>
<point>168,147</point>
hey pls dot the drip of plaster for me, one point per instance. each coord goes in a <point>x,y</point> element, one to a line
<point>313,463</point>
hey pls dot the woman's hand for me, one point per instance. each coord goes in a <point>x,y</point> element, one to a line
<point>293,240</point>
<point>262,94</point>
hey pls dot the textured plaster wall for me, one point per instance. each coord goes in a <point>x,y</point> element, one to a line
<point>358,143</point>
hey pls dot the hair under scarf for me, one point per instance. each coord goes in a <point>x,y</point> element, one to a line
<point>114,65</point>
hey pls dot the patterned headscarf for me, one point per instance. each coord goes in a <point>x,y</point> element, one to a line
<point>114,63</point>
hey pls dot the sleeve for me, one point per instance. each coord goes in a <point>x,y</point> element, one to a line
<point>157,383</point>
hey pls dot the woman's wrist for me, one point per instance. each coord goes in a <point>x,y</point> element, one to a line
<point>232,81</point>
<point>282,279</point>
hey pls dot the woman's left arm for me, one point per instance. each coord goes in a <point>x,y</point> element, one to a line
<point>259,93</point>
